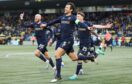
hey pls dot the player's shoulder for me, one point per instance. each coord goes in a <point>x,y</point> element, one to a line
<point>32,23</point>
<point>61,16</point>
<point>73,16</point>
<point>88,23</point>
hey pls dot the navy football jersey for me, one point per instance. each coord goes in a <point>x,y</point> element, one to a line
<point>57,33</point>
<point>84,34</point>
<point>67,25</point>
<point>39,32</point>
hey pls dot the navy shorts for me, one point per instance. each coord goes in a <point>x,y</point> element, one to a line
<point>84,50</point>
<point>42,44</point>
<point>67,45</point>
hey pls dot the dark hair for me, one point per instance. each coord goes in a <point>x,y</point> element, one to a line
<point>81,13</point>
<point>72,6</point>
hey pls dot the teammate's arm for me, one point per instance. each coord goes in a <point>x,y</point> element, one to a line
<point>51,40</point>
<point>51,32</point>
<point>58,20</point>
<point>29,26</point>
<point>103,26</point>
<point>52,22</point>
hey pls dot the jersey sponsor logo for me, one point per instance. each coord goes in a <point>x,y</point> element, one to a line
<point>65,22</point>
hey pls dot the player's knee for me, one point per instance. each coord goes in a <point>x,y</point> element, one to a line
<point>73,56</point>
<point>37,53</point>
<point>47,57</point>
<point>58,54</point>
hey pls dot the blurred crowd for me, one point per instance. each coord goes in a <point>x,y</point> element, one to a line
<point>122,21</point>
<point>11,26</point>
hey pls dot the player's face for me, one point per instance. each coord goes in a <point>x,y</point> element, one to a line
<point>37,18</point>
<point>67,9</point>
<point>79,17</point>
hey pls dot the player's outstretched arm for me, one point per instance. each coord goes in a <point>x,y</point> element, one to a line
<point>54,21</point>
<point>83,24</point>
<point>103,26</point>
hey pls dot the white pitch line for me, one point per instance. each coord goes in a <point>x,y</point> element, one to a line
<point>29,53</point>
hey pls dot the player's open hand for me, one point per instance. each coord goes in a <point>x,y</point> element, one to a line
<point>22,16</point>
<point>109,25</point>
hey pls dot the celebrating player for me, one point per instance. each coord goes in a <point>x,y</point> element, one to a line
<point>67,24</point>
<point>85,41</point>
<point>41,38</point>
<point>56,37</point>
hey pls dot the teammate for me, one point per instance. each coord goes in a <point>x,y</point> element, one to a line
<point>41,38</point>
<point>86,44</point>
<point>67,24</point>
<point>56,37</point>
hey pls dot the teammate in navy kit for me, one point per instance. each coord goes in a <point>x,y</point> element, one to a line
<point>56,37</point>
<point>41,36</point>
<point>86,43</point>
<point>67,24</point>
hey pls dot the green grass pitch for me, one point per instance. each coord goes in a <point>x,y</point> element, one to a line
<point>18,65</point>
